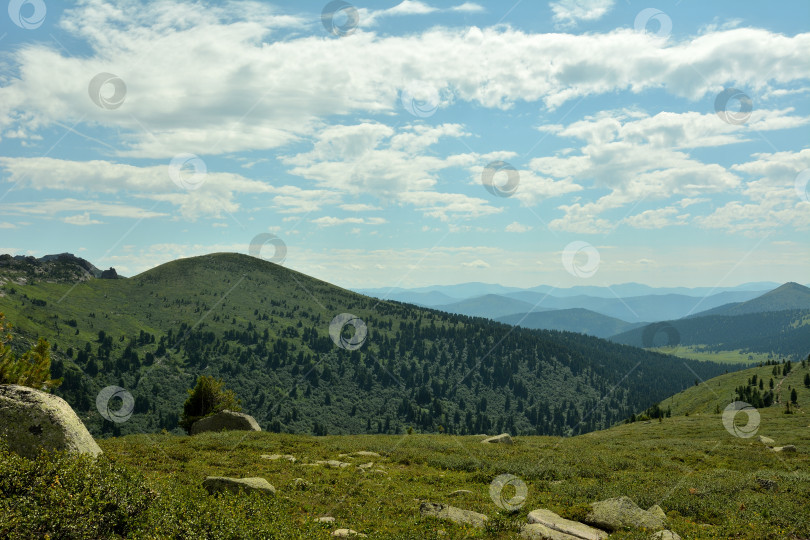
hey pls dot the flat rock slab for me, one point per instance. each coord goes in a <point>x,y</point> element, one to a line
<point>575,529</point>
<point>366,453</point>
<point>451,513</point>
<point>325,519</point>
<point>538,531</point>
<point>786,448</point>
<point>621,512</point>
<point>347,533</point>
<point>215,484</point>
<point>225,420</point>
<point>335,464</point>
<point>31,420</point>
<point>666,535</point>
<point>503,438</point>
<point>766,440</point>
<point>276,457</point>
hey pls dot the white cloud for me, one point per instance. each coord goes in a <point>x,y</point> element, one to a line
<point>358,207</point>
<point>517,227</point>
<point>328,221</point>
<point>568,13</point>
<point>81,219</point>
<point>478,263</point>
<point>48,208</point>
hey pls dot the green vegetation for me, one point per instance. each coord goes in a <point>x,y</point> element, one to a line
<point>699,352</point>
<point>264,331</point>
<point>207,398</point>
<point>32,369</point>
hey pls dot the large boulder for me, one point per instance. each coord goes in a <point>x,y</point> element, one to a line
<point>451,513</point>
<point>225,420</point>
<point>574,529</point>
<point>503,438</point>
<point>31,420</point>
<point>620,512</point>
<point>215,484</point>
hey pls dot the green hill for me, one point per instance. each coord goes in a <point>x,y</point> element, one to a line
<point>579,320</point>
<point>790,296</point>
<point>264,329</point>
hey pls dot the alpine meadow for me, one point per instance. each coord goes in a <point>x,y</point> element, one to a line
<point>404,269</point>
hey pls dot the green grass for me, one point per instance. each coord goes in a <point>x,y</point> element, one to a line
<point>694,352</point>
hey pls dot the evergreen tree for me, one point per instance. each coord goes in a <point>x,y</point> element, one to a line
<point>208,397</point>
<point>794,396</point>
<point>32,369</point>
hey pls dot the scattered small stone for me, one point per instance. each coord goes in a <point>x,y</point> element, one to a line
<point>554,522</point>
<point>380,471</point>
<point>335,464</point>
<point>276,457</point>
<point>619,512</point>
<point>766,440</point>
<point>366,453</point>
<point>216,484</point>
<point>786,448</point>
<point>300,483</point>
<point>325,519</point>
<point>365,465</point>
<point>347,533</point>
<point>451,513</point>
<point>765,483</point>
<point>460,492</point>
<point>666,535</point>
<point>503,438</point>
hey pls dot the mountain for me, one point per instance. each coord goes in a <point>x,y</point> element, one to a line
<point>64,267</point>
<point>783,333</point>
<point>420,298</point>
<point>490,306</point>
<point>788,296</point>
<point>281,341</point>
<point>572,320</point>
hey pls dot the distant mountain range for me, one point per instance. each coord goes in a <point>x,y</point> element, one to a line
<point>788,296</point>
<point>579,320</point>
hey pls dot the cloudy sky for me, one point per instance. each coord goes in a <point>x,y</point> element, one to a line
<point>413,143</point>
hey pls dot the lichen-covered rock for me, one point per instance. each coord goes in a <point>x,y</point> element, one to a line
<point>575,529</point>
<point>665,535</point>
<point>621,512</point>
<point>503,438</point>
<point>225,420</point>
<point>786,448</point>
<point>538,531</point>
<point>657,511</point>
<point>215,484</point>
<point>31,420</point>
<point>767,441</point>
<point>451,513</point>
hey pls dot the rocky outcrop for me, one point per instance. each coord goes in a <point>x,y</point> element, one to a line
<point>216,484</point>
<point>451,513</point>
<point>503,438</point>
<point>225,420</point>
<point>620,512</point>
<point>549,520</point>
<point>31,420</point>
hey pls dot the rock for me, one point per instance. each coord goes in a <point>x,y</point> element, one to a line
<point>325,519</point>
<point>620,512</point>
<point>552,521</point>
<point>451,513</point>
<point>225,420</point>
<point>367,453</point>
<point>538,531</point>
<point>460,492</point>
<point>109,274</point>
<point>347,533</point>
<point>503,438</point>
<point>766,440</point>
<point>335,464</point>
<point>216,484</point>
<point>31,420</point>
<point>365,465</point>
<point>786,448</point>
<point>300,483</point>
<point>657,511</point>
<point>665,535</point>
<point>276,457</point>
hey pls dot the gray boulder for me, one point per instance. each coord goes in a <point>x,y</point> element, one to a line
<point>621,512</point>
<point>666,535</point>
<point>767,441</point>
<point>31,420</point>
<point>786,448</point>
<point>503,438</point>
<point>225,420</point>
<point>574,529</point>
<point>538,531</point>
<point>451,513</point>
<point>216,484</point>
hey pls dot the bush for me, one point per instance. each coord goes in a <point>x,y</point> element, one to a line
<point>59,495</point>
<point>32,369</point>
<point>207,398</point>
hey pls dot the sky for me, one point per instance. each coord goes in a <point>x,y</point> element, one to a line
<point>574,142</point>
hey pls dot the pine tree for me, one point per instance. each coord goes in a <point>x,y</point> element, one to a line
<point>32,369</point>
<point>794,396</point>
<point>208,397</point>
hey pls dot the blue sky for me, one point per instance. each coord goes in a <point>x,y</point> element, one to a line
<point>133,133</point>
